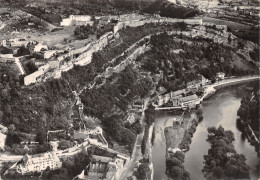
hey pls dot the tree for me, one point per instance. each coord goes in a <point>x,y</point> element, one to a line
<point>61,173</point>
<point>137,127</point>
<point>230,136</point>
<point>218,162</point>
<point>176,172</point>
<point>4,50</point>
<point>41,137</point>
<point>11,128</point>
<point>218,172</point>
<point>63,144</point>
<point>182,25</point>
<point>173,161</point>
<point>22,51</point>
<point>12,139</point>
<point>5,95</point>
<point>142,171</point>
<point>180,155</point>
<point>31,67</point>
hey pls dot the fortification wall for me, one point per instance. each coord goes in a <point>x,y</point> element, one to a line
<point>34,77</point>
<point>124,24</point>
<point>87,51</point>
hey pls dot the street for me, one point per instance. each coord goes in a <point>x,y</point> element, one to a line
<point>136,155</point>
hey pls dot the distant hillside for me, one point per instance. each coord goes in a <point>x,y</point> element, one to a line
<point>167,9</point>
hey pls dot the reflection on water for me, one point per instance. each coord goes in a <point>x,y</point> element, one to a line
<point>220,108</point>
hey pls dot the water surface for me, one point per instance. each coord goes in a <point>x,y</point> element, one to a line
<point>219,109</point>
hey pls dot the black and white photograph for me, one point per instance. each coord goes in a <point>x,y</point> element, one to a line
<point>129,89</point>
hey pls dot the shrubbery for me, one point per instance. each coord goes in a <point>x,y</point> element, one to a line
<point>83,32</point>
<point>5,50</point>
<point>255,54</point>
<point>248,113</point>
<point>143,170</point>
<point>175,168</point>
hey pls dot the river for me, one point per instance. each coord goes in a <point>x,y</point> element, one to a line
<point>220,108</point>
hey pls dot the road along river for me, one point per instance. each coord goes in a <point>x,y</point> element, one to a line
<point>219,109</point>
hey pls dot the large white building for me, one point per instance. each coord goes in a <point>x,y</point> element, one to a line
<point>38,163</point>
<point>77,20</point>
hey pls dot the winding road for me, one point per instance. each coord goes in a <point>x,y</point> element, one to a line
<point>136,155</point>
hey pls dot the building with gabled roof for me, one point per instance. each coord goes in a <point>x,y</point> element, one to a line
<point>188,100</point>
<point>38,163</point>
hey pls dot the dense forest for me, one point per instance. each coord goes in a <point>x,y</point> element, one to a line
<point>194,57</point>
<point>167,9</point>
<point>110,102</point>
<point>248,113</point>
<point>222,161</point>
<point>34,109</point>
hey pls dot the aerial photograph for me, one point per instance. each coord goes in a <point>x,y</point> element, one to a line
<point>129,89</point>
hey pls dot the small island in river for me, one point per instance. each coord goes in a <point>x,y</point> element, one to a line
<point>178,138</point>
<point>222,161</point>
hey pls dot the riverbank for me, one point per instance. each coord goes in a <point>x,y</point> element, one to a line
<point>178,138</point>
<point>248,117</point>
<point>211,89</point>
<point>159,147</point>
<point>221,109</point>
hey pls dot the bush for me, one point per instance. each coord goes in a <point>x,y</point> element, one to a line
<point>22,51</point>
